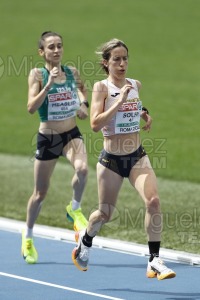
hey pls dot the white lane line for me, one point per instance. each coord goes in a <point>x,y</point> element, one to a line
<point>59,286</point>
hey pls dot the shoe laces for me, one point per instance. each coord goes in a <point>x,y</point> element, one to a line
<point>160,261</point>
<point>29,244</point>
<point>162,264</point>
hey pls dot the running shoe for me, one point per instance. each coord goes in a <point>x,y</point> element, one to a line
<point>157,268</point>
<point>150,272</point>
<point>77,217</point>
<point>28,250</point>
<point>80,254</point>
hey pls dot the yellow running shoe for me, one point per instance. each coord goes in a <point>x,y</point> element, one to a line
<point>77,217</point>
<point>28,250</point>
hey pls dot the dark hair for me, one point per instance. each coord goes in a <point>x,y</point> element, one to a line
<point>105,51</point>
<point>46,34</point>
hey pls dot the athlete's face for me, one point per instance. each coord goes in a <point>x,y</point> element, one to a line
<point>118,61</point>
<point>53,49</point>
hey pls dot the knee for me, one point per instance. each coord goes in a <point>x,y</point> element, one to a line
<point>102,217</point>
<point>82,171</point>
<point>153,204</point>
<point>105,216</point>
<point>39,195</point>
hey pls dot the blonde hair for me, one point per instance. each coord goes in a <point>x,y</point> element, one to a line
<point>104,51</point>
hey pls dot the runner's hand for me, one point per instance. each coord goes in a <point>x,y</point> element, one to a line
<point>52,75</point>
<point>124,93</point>
<point>147,118</point>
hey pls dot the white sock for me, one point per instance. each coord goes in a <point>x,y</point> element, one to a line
<point>29,233</point>
<point>75,204</point>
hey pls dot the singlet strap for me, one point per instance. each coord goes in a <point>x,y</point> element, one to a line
<point>68,72</point>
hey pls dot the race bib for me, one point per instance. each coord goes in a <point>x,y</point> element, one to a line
<point>128,117</point>
<point>62,105</point>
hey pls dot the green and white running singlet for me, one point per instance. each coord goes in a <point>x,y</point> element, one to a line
<point>62,100</point>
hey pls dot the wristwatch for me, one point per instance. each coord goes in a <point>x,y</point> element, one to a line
<point>86,103</point>
<point>145,109</point>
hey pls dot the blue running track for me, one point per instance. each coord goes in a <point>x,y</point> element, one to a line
<point>111,275</point>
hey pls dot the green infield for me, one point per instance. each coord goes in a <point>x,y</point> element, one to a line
<point>179,200</point>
